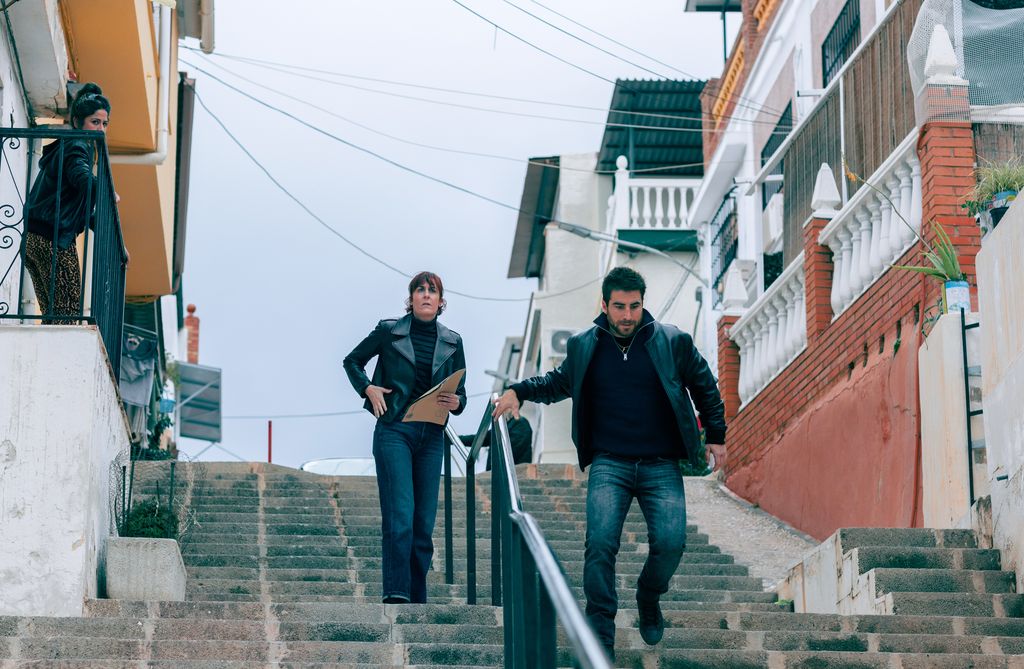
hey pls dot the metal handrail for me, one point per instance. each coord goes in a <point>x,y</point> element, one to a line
<point>525,562</point>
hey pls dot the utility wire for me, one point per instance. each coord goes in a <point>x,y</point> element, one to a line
<point>342,237</point>
<point>285,68</point>
<point>583,41</point>
<point>754,105</point>
<point>445,149</point>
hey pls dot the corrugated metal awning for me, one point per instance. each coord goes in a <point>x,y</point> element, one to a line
<point>666,127</point>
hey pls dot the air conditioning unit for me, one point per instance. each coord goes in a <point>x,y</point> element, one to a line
<point>557,340</point>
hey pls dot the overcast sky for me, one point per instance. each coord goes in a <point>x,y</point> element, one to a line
<point>281,299</point>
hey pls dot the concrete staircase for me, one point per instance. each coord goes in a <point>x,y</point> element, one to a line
<point>284,571</point>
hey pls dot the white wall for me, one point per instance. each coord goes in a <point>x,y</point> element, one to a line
<point>61,429</point>
<point>1001,301</point>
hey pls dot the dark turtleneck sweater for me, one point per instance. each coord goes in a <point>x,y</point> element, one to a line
<point>424,339</point>
<point>629,413</point>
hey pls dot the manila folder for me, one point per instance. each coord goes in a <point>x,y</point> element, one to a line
<point>425,409</point>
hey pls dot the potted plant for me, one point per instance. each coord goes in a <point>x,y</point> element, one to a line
<point>941,256</point>
<point>945,267</point>
<point>997,187</point>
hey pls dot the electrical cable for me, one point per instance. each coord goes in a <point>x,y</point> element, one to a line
<point>433,147</point>
<point>284,68</point>
<point>753,105</point>
<point>345,239</point>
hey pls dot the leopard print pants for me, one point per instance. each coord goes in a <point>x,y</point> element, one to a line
<point>67,290</point>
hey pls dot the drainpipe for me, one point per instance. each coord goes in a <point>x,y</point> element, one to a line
<point>163,114</point>
<point>206,30</point>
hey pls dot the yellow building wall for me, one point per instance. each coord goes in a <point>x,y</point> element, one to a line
<point>114,44</point>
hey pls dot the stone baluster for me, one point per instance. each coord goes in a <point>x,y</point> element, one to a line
<point>906,206</point>
<point>776,332</point>
<point>890,221</point>
<point>761,366</point>
<point>622,199</point>
<point>634,208</point>
<point>846,284</point>
<point>837,274</point>
<point>877,260</point>
<point>863,217</point>
<point>856,253</point>
<point>915,195</point>
<point>670,217</point>
<point>684,210</point>
<point>741,342</point>
<point>657,194</point>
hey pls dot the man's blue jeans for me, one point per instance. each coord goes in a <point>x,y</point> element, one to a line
<point>408,458</point>
<point>657,485</point>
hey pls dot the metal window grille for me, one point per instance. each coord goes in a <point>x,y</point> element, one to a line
<point>724,242</point>
<point>841,41</point>
<point>778,136</point>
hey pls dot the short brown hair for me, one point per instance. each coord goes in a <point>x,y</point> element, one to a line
<point>432,280</point>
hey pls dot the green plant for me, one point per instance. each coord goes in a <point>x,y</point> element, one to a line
<point>153,520</point>
<point>945,266</point>
<point>994,179</point>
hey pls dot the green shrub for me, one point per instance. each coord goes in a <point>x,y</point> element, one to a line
<point>153,520</point>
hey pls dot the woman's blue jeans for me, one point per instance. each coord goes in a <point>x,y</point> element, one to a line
<point>408,458</point>
<point>657,485</point>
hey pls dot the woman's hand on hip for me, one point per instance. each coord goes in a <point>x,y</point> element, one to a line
<point>376,396</point>
<point>449,401</point>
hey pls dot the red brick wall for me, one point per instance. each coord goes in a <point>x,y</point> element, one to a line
<point>834,440</point>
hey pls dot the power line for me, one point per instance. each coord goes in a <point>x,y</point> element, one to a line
<point>445,149</point>
<point>754,105</point>
<point>342,237</point>
<point>275,66</point>
<point>534,46</point>
<point>580,39</point>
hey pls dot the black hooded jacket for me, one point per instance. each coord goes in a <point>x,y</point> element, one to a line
<point>682,370</point>
<point>77,192</point>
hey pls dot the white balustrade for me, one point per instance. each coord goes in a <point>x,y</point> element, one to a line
<point>652,203</point>
<point>876,226</point>
<point>772,332</point>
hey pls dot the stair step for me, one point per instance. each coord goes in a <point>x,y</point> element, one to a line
<point>903,557</point>
<point>943,580</point>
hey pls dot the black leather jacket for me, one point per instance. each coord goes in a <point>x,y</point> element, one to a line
<point>684,375</point>
<point>396,364</point>
<point>77,192</point>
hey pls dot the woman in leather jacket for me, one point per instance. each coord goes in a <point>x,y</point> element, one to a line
<point>414,353</point>
<point>69,162</point>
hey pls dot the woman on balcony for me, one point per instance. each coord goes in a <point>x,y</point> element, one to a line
<point>77,194</point>
<point>414,353</point>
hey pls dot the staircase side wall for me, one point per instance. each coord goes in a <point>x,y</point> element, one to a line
<point>61,430</point>
<point>1001,299</point>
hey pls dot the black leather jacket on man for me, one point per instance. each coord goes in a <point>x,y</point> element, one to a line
<point>396,364</point>
<point>683,372</point>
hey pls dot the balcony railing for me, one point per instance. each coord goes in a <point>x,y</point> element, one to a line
<point>724,241</point>
<point>84,284</point>
<point>651,203</point>
<point>876,226</point>
<point>772,332</point>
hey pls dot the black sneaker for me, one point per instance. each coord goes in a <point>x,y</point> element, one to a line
<point>651,622</point>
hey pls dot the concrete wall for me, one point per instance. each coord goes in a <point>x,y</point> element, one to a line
<point>945,493</point>
<point>1001,301</point>
<point>61,429</point>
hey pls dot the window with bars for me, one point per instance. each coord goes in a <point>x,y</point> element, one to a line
<point>841,41</point>
<point>724,243</point>
<point>775,140</point>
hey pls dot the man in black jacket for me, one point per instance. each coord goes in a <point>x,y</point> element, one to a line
<point>631,380</point>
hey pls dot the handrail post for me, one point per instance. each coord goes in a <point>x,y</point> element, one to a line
<point>449,540</point>
<point>471,529</point>
<point>498,501</point>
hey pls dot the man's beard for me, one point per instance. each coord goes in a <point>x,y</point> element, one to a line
<point>615,328</point>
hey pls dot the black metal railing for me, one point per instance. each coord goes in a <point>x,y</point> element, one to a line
<point>521,563</point>
<point>775,140</point>
<point>970,413</point>
<point>841,41</point>
<point>96,295</point>
<point>724,242</point>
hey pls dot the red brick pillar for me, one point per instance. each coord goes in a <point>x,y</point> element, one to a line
<point>818,270</point>
<point>946,152</point>
<point>192,332</point>
<point>728,367</point>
